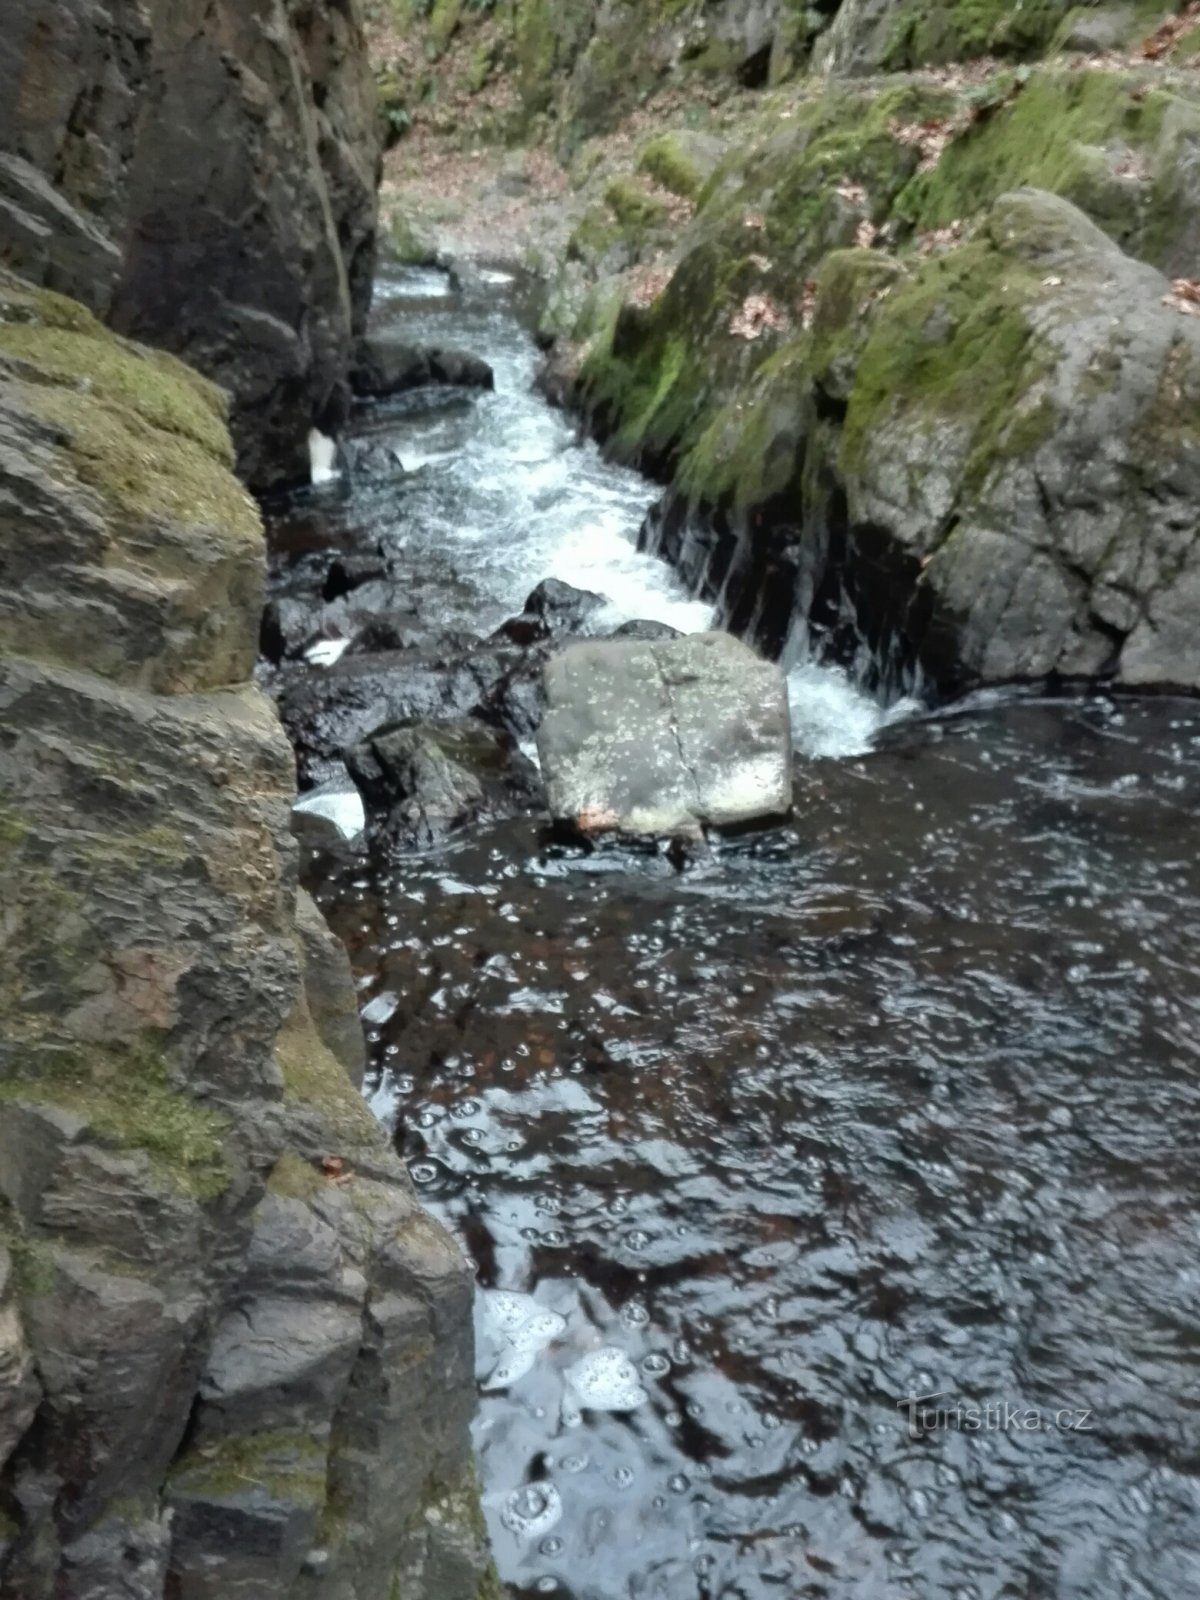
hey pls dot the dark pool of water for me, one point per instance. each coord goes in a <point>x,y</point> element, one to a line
<point>903,1099</point>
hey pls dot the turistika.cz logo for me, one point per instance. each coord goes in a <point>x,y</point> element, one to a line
<point>939,1412</point>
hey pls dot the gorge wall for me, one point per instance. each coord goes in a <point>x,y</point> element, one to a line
<point>235,1356</point>
<point>202,176</point>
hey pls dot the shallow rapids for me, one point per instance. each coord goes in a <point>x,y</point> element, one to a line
<point>899,1101</point>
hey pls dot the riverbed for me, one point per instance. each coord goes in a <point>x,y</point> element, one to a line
<point>898,1100</point>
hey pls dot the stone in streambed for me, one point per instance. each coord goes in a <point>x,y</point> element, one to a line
<point>422,781</point>
<point>385,365</point>
<point>664,737</point>
<point>554,607</point>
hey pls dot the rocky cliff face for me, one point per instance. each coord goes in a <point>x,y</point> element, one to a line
<point>203,177</point>
<point>234,1354</point>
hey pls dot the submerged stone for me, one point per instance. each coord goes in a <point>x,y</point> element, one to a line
<point>385,365</point>
<point>665,737</point>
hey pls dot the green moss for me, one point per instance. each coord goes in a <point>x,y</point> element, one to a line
<point>129,1099</point>
<point>750,451</point>
<point>142,429</point>
<point>14,829</point>
<point>32,1260</point>
<point>143,382</point>
<point>443,23</point>
<point>596,234</point>
<point>668,161</point>
<point>1069,133</point>
<point>293,1178</point>
<point>290,1466</point>
<point>925,34</point>
<point>954,345</point>
<point>813,177</point>
<point>634,207</point>
<point>313,1077</point>
<point>144,472</point>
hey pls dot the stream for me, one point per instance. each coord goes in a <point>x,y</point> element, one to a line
<point>901,1099</point>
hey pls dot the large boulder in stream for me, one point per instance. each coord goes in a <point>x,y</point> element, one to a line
<point>235,1354</point>
<point>665,737</point>
<point>202,174</point>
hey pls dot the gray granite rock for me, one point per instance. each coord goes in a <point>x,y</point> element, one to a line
<point>665,736</point>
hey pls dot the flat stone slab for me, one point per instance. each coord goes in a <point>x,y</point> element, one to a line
<point>665,736</point>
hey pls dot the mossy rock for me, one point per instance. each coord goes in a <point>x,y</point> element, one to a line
<point>636,209</point>
<point>131,1099</point>
<point>287,1466</point>
<point>315,1080</point>
<point>956,343</point>
<point>681,160</point>
<point>1121,149</point>
<point>143,429</point>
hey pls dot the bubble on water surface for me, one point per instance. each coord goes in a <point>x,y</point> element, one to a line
<point>531,1511</point>
<point>517,1329</point>
<point>604,1380</point>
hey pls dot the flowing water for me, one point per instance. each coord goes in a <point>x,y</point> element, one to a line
<point>899,1100</point>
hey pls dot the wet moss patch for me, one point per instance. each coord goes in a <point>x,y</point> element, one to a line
<point>130,1099</point>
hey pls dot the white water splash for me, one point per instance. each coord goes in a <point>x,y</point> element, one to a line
<point>326,652</point>
<point>338,803</point>
<point>832,716</point>
<point>322,456</point>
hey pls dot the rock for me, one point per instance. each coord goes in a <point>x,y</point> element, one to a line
<point>325,712</point>
<point>683,159</point>
<point>1044,485</point>
<point>20,1390</point>
<point>206,1338</point>
<point>870,36</point>
<point>422,781</point>
<point>665,737</point>
<point>350,572</point>
<point>646,631</point>
<point>182,142</point>
<point>552,609</point>
<point>1095,31</point>
<point>329,985</point>
<point>370,461</point>
<point>49,241</point>
<point>384,365</point>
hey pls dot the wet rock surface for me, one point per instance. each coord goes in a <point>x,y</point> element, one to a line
<point>182,142</point>
<point>665,737</point>
<point>423,781</point>
<point>385,365</point>
<point>221,1306</point>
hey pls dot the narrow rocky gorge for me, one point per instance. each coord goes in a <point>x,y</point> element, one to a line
<point>592,889</point>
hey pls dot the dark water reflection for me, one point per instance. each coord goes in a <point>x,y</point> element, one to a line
<point>902,1100</point>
